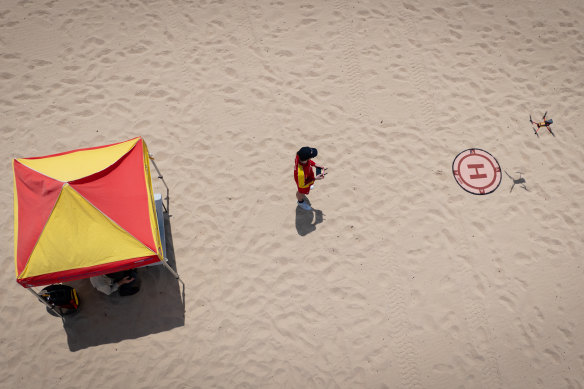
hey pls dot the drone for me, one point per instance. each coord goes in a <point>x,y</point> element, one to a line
<point>546,123</point>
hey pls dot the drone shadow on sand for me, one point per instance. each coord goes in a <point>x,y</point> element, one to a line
<point>517,181</point>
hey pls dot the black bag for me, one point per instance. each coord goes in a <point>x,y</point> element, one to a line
<point>129,289</point>
<point>61,296</point>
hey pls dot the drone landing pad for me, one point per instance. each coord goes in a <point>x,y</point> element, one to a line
<point>477,171</point>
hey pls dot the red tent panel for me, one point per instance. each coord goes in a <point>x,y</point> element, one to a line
<point>37,195</point>
<point>118,191</point>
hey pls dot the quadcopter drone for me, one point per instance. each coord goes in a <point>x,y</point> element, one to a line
<point>546,123</point>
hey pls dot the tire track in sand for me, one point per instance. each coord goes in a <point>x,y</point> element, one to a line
<point>474,307</point>
<point>351,63</point>
<point>418,70</point>
<point>399,331</point>
<point>397,308</point>
<point>476,318</point>
<point>183,45</point>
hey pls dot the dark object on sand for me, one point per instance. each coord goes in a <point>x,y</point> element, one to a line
<point>62,297</point>
<point>130,288</point>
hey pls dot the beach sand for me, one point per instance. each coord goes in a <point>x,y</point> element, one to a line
<point>399,279</point>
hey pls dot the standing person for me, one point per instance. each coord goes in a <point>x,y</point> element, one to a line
<point>304,175</point>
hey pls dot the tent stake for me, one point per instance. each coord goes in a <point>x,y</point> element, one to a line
<point>42,300</point>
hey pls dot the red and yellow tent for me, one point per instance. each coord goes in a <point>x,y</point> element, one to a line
<point>83,213</point>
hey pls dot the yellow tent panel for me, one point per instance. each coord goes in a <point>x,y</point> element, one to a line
<point>82,163</point>
<point>80,236</point>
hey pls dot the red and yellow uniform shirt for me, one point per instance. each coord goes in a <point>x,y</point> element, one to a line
<point>304,175</point>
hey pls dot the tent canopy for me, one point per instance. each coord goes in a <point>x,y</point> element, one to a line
<point>83,213</point>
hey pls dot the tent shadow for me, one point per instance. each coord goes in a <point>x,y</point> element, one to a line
<point>159,306</point>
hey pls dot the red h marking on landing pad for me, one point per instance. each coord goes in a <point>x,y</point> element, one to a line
<point>476,167</point>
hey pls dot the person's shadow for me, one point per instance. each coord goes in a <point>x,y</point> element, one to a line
<point>306,221</point>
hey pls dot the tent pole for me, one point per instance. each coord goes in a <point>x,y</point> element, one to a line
<point>164,182</point>
<point>42,300</point>
<point>170,269</point>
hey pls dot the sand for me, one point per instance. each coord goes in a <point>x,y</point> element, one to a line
<point>399,278</point>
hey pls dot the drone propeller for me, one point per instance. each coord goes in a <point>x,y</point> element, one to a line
<point>550,130</point>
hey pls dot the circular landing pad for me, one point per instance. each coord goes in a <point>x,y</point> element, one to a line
<point>477,171</point>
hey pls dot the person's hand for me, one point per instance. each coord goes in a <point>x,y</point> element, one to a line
<point>126,280</point>
<point>319,177</point>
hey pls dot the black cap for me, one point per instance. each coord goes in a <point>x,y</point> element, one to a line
<point>307,153</point>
